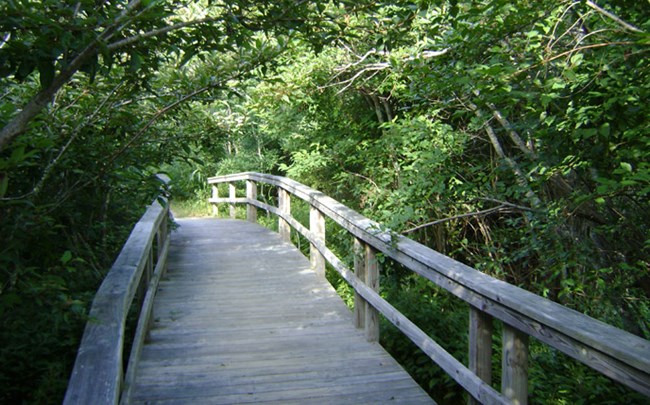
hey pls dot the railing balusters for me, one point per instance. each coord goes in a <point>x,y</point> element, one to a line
<point>98,374</point>
<point>148,272</point>
<point>163,234</point>
<point>215,195</point>
<point>317,226</point>
<point>372,281</point>
<point>251,193</point>
<point>360,272</point>
<point>514,365</point>
<point>284,205</point>
<point>480,346</point>
<point>610,351</point>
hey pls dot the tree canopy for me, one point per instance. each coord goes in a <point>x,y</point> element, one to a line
<point>510,135</point>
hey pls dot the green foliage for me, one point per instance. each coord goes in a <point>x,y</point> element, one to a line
<point>440,316</point>
<point>520,128</point>
<point>80,172</point>
<point>527,111</point>
<point>549,380</point>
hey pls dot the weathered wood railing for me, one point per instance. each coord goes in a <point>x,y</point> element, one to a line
<point>615,353</point>
<point>98,375</point>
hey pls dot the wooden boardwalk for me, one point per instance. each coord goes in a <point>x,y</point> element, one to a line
<point>241,318</point>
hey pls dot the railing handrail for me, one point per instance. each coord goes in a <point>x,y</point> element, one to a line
<point>97,376</point>
<point>613,352</point>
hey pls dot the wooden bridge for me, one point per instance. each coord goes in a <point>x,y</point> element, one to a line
<point>231,312</point>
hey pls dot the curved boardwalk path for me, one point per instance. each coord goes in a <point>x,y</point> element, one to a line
<point>241,318</point>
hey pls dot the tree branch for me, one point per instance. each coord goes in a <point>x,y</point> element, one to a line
<point>80,184</point>
<point>5,39</point>
<point>154,33</point>
<point>157,115</point>
<point>519,175</point>
<point>503,206</point>
<point>48,169</point>
<point>19,122</point>
<point>372,67</point>
<point>361,176</point>
<point>508,204</point>
<point>469,214</point>
<point>514,136</point>
<point>569,52</point>
<point>614,17</point>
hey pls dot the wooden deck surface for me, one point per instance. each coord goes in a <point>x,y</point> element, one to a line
<point>241,318</point>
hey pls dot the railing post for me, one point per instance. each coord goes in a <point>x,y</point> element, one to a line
<point>372,280</point>
<point>284,204</point>
<point>147,272</point>
<point>251,194</point>
<point>161,234</point>
<point>480,346</point>
<point>317,226</point>
<point>360,272</point>
<point>232,195</point>
<point>514,365</point>
<point>149,268</point>
<point>215,206</point>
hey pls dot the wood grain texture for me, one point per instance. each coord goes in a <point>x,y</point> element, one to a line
<point>215,196</point>
<point>480,346</point>
<point>97,374</point>
<point>144,322</point>
<point>232,191</point>
<point>284,206</point>
<point>360,273</point>
<point>514,366</point>
<point>240,317</point>
<point>611,351</point>
<point>251,194</point>
<point>372,281</point>
<point>317,227</point>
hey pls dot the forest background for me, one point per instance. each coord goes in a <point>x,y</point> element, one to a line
<point>510,135</point>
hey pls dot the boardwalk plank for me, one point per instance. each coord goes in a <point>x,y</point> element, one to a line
<point>241,318</point>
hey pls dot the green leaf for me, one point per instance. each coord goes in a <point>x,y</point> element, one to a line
<point>136,62</point>
<point>66,257</point>
<point>577,59</point>
<point>604,129</point>
<point>18,154</point>
<point>644,39</point>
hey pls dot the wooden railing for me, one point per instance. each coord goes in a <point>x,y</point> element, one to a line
<point>619,355</point>
<point>98,376</point>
